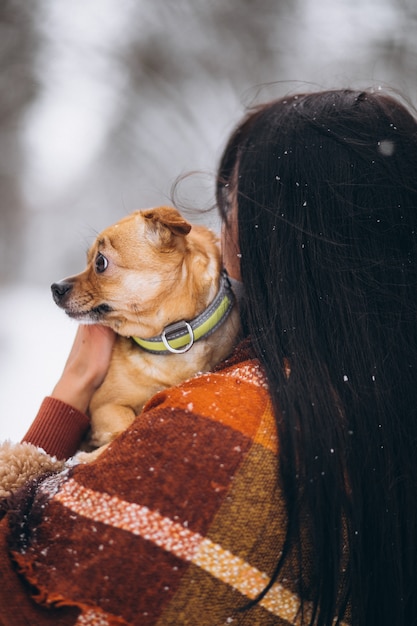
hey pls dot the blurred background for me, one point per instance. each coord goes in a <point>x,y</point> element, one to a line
<point>105,103</point>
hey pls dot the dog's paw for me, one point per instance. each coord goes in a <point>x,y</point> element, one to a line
<point>88,457</point>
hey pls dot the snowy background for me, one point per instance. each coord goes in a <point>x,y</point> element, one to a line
<point>105,103</point>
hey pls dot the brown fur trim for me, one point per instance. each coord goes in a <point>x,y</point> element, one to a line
<point>20,462</point>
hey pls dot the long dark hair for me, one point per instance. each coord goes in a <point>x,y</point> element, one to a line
<point>326,190</point>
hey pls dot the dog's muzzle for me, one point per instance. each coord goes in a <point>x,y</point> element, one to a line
<point>61,293</point>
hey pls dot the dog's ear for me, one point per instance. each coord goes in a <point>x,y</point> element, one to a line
<point>164,220</point>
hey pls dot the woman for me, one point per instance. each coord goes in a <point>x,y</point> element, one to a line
<point>212,524</point>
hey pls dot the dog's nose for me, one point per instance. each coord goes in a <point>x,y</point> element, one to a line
<point>60,290</point>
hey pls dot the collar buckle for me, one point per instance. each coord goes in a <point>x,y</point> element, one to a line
<point>173,330</point>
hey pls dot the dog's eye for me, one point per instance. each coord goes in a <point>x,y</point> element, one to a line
<point>101,263</point>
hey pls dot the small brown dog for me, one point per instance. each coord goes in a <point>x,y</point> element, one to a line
<point>157,282</point>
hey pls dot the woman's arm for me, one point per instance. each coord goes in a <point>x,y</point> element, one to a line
<point>62,421</point>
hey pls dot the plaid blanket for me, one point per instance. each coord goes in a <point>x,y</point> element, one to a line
<point>180,521</point>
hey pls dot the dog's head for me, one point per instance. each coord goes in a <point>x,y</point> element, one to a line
<point>144,272</point>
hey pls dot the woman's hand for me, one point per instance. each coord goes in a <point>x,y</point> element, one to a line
<point>86,366</point>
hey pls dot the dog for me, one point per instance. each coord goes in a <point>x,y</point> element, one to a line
<point>158,283</point>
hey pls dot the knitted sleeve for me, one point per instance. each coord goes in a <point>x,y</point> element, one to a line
<point>58,428</point>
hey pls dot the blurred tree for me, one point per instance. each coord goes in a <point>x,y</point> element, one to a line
<point>18,44</point>
<point>398,50</point>
<point>187,67</point>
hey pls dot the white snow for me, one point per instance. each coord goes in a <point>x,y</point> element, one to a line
<point>35,338</point>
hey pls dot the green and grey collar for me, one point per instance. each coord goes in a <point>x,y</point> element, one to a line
<point>178,338</point>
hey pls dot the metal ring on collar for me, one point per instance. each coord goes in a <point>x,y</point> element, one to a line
<point>179,350</point>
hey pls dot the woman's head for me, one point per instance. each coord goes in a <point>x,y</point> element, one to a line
<point>325,193</point>
<point>323,188</point>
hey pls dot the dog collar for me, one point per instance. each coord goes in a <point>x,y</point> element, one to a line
<point>178,338</point>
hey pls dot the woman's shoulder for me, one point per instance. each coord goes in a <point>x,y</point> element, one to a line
<point>234,395</point>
